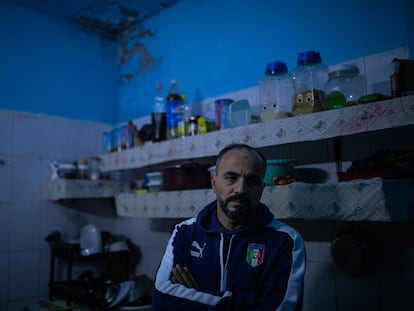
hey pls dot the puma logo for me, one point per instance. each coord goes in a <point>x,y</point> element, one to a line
<point>199,252</point>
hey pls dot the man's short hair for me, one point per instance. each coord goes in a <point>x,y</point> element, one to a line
<point>239,146</point>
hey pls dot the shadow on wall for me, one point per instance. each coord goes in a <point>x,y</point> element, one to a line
<point>104,207</point>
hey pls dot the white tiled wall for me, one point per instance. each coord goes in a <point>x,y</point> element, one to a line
<point>30,142</point>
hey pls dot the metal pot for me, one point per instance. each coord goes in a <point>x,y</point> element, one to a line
<point>190,175</point>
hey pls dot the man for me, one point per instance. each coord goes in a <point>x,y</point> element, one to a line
<point>234,255</point>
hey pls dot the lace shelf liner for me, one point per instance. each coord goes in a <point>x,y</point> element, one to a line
<point>372,199</point>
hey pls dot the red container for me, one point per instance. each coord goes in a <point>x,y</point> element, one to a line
<point>222,113</point>
<point>186,176</point>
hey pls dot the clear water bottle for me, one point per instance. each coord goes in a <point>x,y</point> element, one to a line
<point>159,115</point>
<point>174,110</point>
<point>275,92</point>
<point>309,79</point>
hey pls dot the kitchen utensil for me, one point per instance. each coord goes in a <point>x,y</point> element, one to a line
<point>278,167</point>
<point>141,286</point>
<point>124,288</point>
<point>190,175</point>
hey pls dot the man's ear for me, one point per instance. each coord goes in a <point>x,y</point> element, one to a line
<point>213,182</point>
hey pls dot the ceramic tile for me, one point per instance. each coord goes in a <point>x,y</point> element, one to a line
<point>85,139</point>
<point>44,270</point>
<point>27,179</point>
<point>397,288</point>
<point>6,165</point>
<point>28,139</point>
<point>360,294</point>
<point>56,146</point>
<point>150,261</point>
<point>5,179</point>
<point>4,306</point>
<point>6,130</point>
<point>319,290</point>
<point>53,217</point>
<point>5,214</point>
<point>25,227</point>
<point>30,304</point>
<point>318,252</point>
<point>24,274</point>
<point>4,280</point>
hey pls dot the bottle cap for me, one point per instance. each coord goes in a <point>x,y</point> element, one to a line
<point>276,67</point>
<point>309,57</point>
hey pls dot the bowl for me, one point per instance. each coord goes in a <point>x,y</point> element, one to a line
<point>154,177</point>
<point>278,167</point>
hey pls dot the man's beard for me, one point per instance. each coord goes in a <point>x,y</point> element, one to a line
<point>242,213</point>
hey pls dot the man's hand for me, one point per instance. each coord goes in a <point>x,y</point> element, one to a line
<point>183,276</point>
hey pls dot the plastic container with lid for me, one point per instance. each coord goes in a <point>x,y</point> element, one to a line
<point>344,87</point>
<point>275,92</point>
<point>309,79</point>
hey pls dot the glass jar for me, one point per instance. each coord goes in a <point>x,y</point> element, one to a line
<point>344,87</point>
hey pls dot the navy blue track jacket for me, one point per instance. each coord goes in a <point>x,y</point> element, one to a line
<point>256,267</point>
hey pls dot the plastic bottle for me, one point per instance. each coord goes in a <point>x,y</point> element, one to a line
<point>159,115</point>
<point>309,79</point>
<point>275,92</point>
<point>344,87</point>
<point>186,113</point>
<point>174,110</point>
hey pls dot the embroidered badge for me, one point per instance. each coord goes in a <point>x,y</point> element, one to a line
<point>197,250</point>
<point>255,253</point>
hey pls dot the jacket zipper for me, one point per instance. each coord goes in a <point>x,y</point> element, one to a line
<point>224,265</point>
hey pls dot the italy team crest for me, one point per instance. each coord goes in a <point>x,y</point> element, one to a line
<point>255,254</point>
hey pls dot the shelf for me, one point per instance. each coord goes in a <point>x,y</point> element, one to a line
<point>372,199</point>
<point>59,189</point>
<point>310,127</point>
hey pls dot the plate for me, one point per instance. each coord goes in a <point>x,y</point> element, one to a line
<point>124,289</point>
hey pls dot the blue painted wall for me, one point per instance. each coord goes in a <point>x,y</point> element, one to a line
<point>212,46</point>
<point>50,66</point>
<point>220,46</point>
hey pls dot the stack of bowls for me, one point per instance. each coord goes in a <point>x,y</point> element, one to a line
<point>155,182</point>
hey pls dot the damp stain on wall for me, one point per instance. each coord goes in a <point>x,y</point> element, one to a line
<point>134,56</point>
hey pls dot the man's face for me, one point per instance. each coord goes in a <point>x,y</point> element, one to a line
<point>238,185</point>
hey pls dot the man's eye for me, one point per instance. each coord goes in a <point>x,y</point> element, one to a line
<point>231,178</point>
<point>254,182</point>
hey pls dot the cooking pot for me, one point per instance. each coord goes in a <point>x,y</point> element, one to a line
<point>190,175</point>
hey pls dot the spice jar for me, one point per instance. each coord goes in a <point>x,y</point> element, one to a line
<point>344,87</point>
<point>82,169</point>
<point>94,168</point>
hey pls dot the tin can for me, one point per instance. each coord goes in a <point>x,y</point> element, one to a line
<point>222,113</point>
<point>192,126</point>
